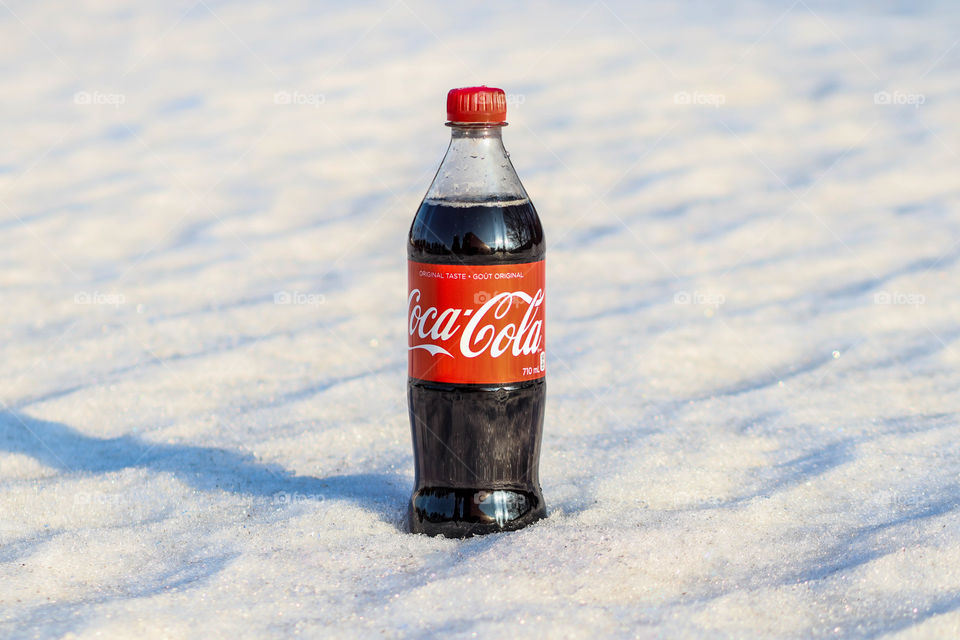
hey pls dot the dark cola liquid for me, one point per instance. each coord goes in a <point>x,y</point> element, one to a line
<point>476,447</point>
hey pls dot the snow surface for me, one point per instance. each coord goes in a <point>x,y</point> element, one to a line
<point>753,318</point>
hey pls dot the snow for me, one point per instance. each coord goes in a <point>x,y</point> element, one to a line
<point>754,380</point>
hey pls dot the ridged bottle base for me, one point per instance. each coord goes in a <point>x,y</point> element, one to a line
<point>461,513</point>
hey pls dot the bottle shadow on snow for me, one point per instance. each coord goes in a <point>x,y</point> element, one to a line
<point>205,468</point>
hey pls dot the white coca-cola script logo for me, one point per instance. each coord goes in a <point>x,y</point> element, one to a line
<point>482,333</point>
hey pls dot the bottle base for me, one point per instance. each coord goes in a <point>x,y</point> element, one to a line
<point>462,513</point>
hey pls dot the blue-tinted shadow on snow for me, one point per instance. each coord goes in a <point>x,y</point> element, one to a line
<point>204,468</point>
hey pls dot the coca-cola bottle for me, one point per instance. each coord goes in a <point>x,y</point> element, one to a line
<point>475,315</point>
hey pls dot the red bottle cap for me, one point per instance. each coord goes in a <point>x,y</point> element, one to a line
<point>477,104</point>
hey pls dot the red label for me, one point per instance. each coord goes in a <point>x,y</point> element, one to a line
<point>476,324</point>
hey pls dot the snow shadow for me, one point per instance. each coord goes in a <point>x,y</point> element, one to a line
<point>205,468</point>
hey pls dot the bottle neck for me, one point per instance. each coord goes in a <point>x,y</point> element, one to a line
<point>458,131</point>
<point>476,168</point>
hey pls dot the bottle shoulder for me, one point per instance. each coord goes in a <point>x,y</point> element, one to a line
<point>489,232</point>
